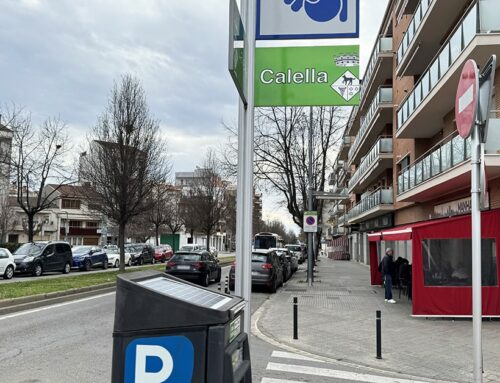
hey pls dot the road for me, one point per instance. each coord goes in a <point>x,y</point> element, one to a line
<point>72,342</point>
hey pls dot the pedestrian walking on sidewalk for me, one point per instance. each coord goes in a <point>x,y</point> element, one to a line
<point>387,268</point>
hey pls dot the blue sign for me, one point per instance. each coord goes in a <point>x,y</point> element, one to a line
<point>167,359</point>
<point>307,19</point>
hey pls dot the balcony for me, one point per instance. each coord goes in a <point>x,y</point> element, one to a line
<point>378,159</point>
<point>338,231</point>
<point>337,210</point>
<point>379,68</point>
<point>377,117</point>
<point>445,168</point>
<point>379,202</point>
<point>79,231</point>
<point>344,147</point>
<point>353,122</point>
<point>420,114</point>
<point>429,26</point>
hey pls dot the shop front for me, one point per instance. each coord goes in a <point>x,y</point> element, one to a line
<point>440,255</point>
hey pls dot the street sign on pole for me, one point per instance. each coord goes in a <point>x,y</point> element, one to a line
<point>307,19</point>
<point>307,76</point>
<point>236,63</point>
<point>310,221</point>
<point>466,100</point>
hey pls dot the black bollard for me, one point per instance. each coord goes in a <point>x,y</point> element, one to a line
<point>226,287</point>
<point>295,318</point>
<point>379,334</point>
<point>219,286</point>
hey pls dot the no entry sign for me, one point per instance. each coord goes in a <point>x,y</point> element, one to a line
<point>466,101</point>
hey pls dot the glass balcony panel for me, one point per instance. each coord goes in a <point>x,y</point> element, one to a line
<point>400,117</point>
<point>446,156</point>
<point>444,61</point>
<point>412,177</point>
<point>470,25</point>
<point>436,162</point>
<point>418,94</point>
<point>401,188</point>
<point>406,175</point>
<point>418,173</point>
<point>468,147</point>
<point>424,4</point>
<point>458,150</point>
<point>425,85</point>
<point>456,44</point>
<point>426,168</point>
<point>434,74</point>
<point>488,15</point>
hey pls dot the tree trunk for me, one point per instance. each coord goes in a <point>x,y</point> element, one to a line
<point>31,229</point>
<point>157,227</point>
<point>121,245</point>
<point>208,241</point>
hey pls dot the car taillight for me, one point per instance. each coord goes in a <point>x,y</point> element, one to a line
<point>198,265</point>
<point>267,266</point>
<point>170,264</point>
<point>233,264</point>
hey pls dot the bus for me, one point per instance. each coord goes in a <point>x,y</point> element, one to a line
<point>267,241</point>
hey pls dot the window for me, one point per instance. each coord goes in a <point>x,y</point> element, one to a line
<point>75,223</point>
<point>448,262</point>
<point>3,254</point>
<point>92,224</point>
<point>71,204</point>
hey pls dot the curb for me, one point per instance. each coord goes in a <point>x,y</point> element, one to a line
<point>12,305</point>
<point>269,338</point>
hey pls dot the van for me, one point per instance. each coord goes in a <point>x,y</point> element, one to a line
<point>39,257</point>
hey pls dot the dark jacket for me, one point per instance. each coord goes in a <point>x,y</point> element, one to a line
<point>387,265</point>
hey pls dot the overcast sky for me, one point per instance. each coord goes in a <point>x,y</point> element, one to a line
<point>60,57</point>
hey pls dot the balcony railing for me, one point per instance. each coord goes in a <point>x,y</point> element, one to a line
<point>375,199</point>
<point>418,16</point>
<point>383,145</point>
<point>383,45</point>
<point>437,160</point>
<point>384,95</point>
<point>479,18</point>
<point>338,209</point>
<point>352,117</point>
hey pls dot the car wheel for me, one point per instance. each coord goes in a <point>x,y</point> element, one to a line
<point>140,262</point>
<point>67,268</point>
<point>117,264</point>
<point>9,272</point>
<point>105,264</point>
<point>219,276</point>
<point>274,286</point>
<point>129,263</point>
<point>38,270</point>
<point>87,265</point>
<point>205,280</point>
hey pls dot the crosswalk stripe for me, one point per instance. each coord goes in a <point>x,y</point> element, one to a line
<point>272,380</point>
<point>290,355</point>
<point>338,374</point>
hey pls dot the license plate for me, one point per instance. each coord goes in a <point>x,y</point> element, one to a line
<point>183,267</point>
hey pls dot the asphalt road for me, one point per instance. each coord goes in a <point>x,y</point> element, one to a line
<point>72,342</point>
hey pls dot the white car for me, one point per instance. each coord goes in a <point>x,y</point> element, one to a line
<point>192,247</point>
<point>114,257</point>
<point>7,264</point>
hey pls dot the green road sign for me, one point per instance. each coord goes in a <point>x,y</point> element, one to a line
<point>237,50</point>
<point>307,76</point>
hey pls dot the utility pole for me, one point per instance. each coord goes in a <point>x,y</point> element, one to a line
<point>310,261</point>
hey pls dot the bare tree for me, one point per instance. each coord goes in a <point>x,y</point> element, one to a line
<point>209,196</point>
<point>8,219</point>
<point>158,214</point>
<point>281,153</point>
<point>126,157</point>
<point>38,158</point>
<point>174,212</point>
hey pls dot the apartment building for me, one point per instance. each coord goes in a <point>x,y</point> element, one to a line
<point>402,161</point>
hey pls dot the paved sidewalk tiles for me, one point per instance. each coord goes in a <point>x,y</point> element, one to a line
<point>337,320</point>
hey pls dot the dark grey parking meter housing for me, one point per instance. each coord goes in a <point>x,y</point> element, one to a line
<point>167,330</point>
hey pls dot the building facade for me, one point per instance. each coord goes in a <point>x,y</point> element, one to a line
<point>402,161</point>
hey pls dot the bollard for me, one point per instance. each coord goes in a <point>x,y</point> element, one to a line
<point>379,334</point>
<point>226,287</point>
<point>295,318</point>
<point>219,286</point>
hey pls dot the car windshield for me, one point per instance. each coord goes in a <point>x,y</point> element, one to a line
<point>187,258</point>
<point>30,249</point>
<point>186,248</point>
<point>81,249</point>
<point>294,248</point>
<point>259,258</point>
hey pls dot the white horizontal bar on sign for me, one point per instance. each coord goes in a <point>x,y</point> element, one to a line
<point>338,374</point>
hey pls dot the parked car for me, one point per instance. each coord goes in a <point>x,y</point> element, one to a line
<point>87,257</point>
<point>163,253</point>
<point>42,256</point>
<point>7,264</point>
<point>266,270</point>
<point>192,247</point>
<point>143,254</point>
<point>114,257</point>
<point>286,263</point>
<point>292,258</point>
<point>298,251</point>
<point>198,266</point>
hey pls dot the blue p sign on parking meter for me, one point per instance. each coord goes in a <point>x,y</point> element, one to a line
<point>167,359</point>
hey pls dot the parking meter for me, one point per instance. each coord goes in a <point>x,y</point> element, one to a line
<point>167,330</point>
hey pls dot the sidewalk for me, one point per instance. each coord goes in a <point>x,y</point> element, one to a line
<point>337,320</point>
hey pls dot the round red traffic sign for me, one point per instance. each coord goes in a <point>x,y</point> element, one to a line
<point>466,100</point>
<point>310,221</point>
